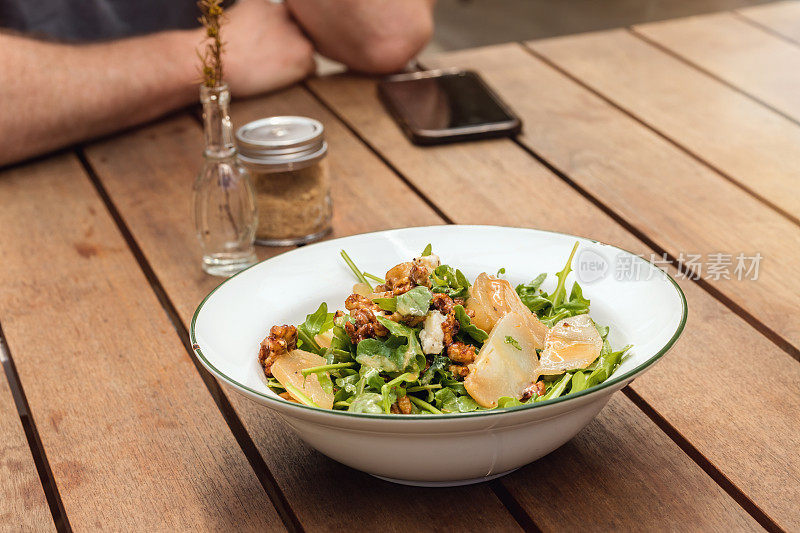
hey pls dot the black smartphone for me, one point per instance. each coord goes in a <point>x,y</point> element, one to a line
<point>442,106</point>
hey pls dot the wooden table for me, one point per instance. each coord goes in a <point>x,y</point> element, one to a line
<point>675,138</point>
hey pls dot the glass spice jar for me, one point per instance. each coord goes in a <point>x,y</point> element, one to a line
<point>285,157</point>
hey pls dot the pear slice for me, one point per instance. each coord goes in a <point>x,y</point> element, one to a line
<point>287,370</point>
<point>571,344</point>
<point>506,364</point>
<point>491,298</point>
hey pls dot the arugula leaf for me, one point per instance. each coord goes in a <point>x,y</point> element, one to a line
<point>427,251</point>
<point>445,279</point>
<point>400,352</point>
<point>356,271</point>
<point>557,389</point>
<point>578,382</point>
<point>388,393</point>
<point>373,277</point>
<point>439,365</point>
<point>415,302</point>
<point>450,402</point>
<point>508,401</point>
<point>560,293</point>
<point>342,349</point>
<point>531,296</point>
<point>368,402</point>
<point>387,304</point>
<point>500,272</point>
<point>467,326</point>
<point>556,306</point>
<point>313,326</point>
<point>606,364</point>
<point>513,342</point>
<point>424,406</point>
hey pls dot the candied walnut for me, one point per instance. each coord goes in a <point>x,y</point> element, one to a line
<point>281,340</point>
<point>450,327</point>
<point>534,389</point>
<point>404,404</point>
<point>398,279</point>
<point>420,273</point>
<point>459,352</point>
<point>287,396</point>
<point>394,409</point>
<point>365,325</point>
<point>459,371</point>
<point>443,303</point>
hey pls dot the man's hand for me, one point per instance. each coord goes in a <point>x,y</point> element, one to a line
<point>264,49</point>
<point>63,94</point>
<point>377,36</point>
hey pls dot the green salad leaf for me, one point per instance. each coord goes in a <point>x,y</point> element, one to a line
<point>317,322</point>
<point>399,352</point>
<point>367,402</point>
<point>447,280</point>
<point>449,402</point>
<point>428,250</point>
<point>414,302</point>
<point>556,306</point>
<point>513,342</point>
<point>370,377</point>
<point>467,326</point>
<point>387,304</point>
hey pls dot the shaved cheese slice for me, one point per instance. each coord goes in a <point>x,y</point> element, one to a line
<point>491,298</point>
<point>287,370</point>
<point>506,364</point>
<point>571,344</point>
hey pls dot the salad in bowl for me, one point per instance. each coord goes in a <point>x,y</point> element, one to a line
<point>459,357</point>
<point>423,339</point>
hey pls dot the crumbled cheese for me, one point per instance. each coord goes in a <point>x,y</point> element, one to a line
<point>432,334</point>
<point>431,261</point>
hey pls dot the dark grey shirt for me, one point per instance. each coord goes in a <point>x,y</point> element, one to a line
<point>96,20</point>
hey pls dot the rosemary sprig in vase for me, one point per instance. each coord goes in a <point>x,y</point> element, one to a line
<point>224,201</point>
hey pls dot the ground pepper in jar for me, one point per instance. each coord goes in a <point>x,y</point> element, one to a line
<point>286,160</point>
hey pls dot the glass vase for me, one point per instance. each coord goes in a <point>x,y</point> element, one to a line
<point>224,200</point>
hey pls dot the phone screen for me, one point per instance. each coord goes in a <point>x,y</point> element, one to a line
<point>448,101</point>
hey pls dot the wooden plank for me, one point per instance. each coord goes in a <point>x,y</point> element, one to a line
<point>783,18</point>
<point>747,57</point>
<point>133,437</point>
<point>755,147</point>
<point>497,183</point>
<point>679,203</point>
<point>367,196</point>
<point>23,506</point>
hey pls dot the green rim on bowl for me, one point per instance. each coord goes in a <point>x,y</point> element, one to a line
<point>597,388</point>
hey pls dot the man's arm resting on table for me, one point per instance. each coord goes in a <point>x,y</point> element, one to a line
<point>377,36</point>
<point>56,94</point>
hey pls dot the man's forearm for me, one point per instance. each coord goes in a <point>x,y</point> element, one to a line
<point>54,95</point>
<point>367,35</point>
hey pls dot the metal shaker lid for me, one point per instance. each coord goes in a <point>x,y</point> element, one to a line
<point>284,142</point>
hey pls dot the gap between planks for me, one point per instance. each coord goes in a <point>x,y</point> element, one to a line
<point>702,461</point>
<point>688,151</point>
<point>46,477</point>
<point>694,454</point>
<point>243,438</point>
<point>710,74</point>
<point>512,505</point>
<point>766,29</point>
<point>748,317</point>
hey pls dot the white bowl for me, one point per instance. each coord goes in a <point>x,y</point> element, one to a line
<point>648,312</point>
